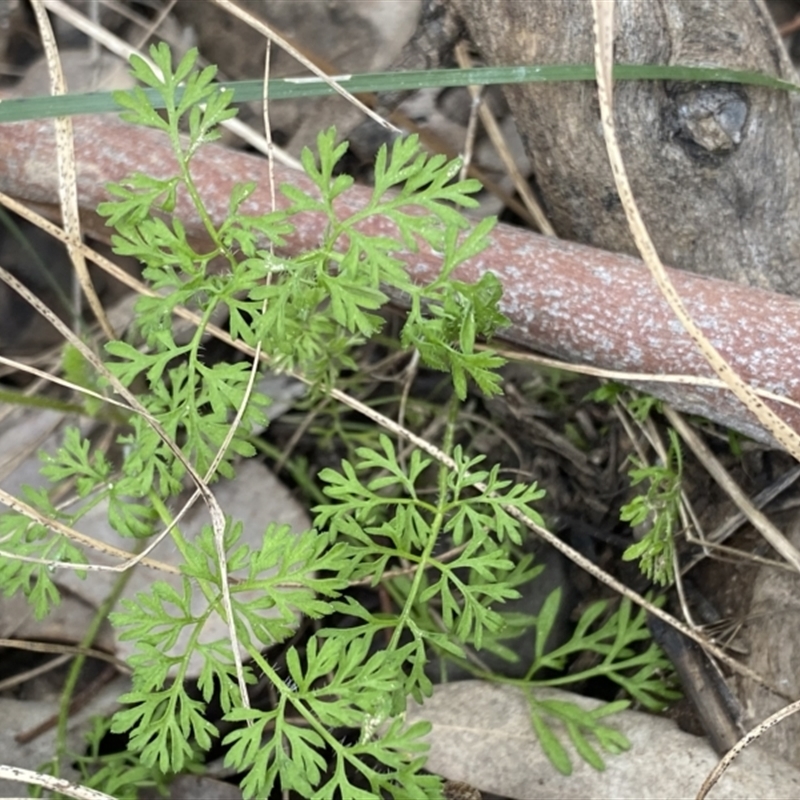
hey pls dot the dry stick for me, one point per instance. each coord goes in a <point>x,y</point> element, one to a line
<point>19,366</point>
<point>67,179</point>
<point>759,520</point>
<point>409,374</point>
<point>150,26</point>
<point>469,136</point>
<point>604,57</point>
<point>745,741</point>
<point>29,674</point>
<point>540,317</point>
<point>736,556</point>
<point>496,135</point>
<point>68,650</point>
<point>297,435</point>
<point>790,27</point>
<point>128,280</point>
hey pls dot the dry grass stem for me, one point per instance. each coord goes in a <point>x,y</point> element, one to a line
<point>744,742</point>
<point>67,179</point>
<point>631,377</point>
<point>29,674</point>
<point>714,468</point>
<point>498,140</point>
<point>61,785</point>
<point>70,651</point>
<point>733,523</point>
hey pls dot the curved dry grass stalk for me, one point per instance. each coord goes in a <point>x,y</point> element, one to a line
<point>19,366</point>
<point>31,778</point>
<point>744,742</point>
<point>66,171</point>
<point>631,377</point>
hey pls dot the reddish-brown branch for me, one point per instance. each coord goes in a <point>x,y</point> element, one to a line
<point>571,301</point>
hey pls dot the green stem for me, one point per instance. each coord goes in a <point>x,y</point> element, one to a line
<point>210,591</point>
<point>287,695</point>
<point>197,341</point>
<point>77,665</point>
<point>436,526</point>
<point>183,163</point>
<point>37,401</point>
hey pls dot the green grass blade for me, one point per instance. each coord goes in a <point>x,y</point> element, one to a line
<point>15,110</point>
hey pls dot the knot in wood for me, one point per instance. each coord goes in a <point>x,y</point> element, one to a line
<point>709,121</point>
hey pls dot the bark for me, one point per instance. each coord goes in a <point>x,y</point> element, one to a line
<point>565,299</point>
<point>715,167</point>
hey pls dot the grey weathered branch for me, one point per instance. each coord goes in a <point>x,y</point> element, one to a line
<point>568,300</point>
